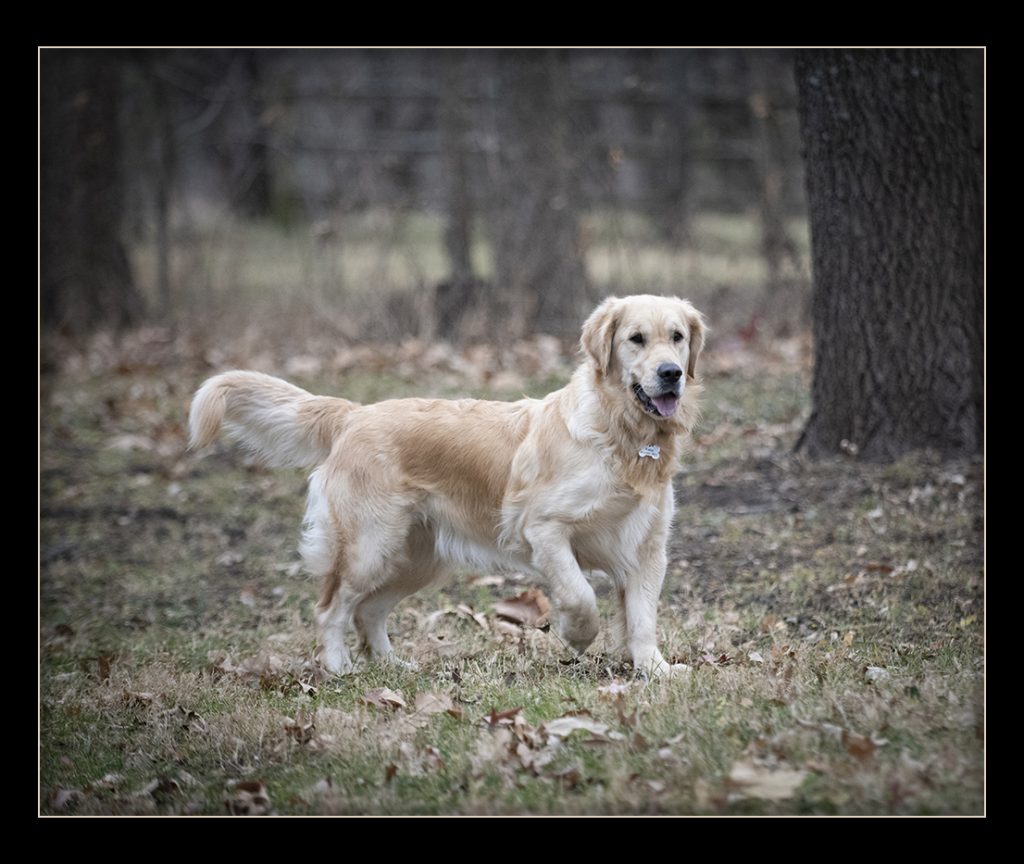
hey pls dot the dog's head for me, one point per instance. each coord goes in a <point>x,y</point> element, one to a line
<point>650,345</point>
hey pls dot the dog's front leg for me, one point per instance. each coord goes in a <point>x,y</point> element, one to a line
<point>639,597</point>
<point>574,600</point>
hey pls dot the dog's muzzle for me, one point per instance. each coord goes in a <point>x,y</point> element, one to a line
<point>662,405</point>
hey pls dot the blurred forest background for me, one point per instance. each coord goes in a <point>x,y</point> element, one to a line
<point>467,195</point>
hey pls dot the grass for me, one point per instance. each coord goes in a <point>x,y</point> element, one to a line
<point>832,614</point>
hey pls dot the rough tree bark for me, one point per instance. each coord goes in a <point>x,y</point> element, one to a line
<point>85,277</point>
<point>893,150</point>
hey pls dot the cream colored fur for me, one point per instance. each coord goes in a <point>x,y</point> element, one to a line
<point>406,489</point>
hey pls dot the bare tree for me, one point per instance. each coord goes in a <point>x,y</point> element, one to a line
<point>678,174</point>
<point>539,262</point>
<point>454,296</point>
<point>893,153</point>
<point>242,145</point>
<point>85,278</point>
<point>776,245</point>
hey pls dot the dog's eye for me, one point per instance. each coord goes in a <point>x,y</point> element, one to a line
<point>677,336</point>
<point>638,338</point>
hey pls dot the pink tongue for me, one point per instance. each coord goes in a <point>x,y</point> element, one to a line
<point>666,404</point>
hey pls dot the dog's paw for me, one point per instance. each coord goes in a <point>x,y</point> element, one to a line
<point>658,667</point>
<point>579,631</point>
<point>334,662</point>
<point>671,670</point>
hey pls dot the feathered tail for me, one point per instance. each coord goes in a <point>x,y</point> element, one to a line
<point>279,422</point>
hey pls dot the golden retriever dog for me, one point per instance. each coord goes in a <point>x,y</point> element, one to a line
<point>405,489</point>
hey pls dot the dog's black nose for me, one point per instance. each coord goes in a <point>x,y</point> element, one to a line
<point>669,373</point>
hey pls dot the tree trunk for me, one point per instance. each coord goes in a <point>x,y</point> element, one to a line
<point>894,177</point>
<point>677,175</point>
<point>777,247</point>
<point>455,296</point>
<point>85,277</point>
<point>458,228</point>
<point>165,141</point>
<point>538,259</point>
<point>241,132</point>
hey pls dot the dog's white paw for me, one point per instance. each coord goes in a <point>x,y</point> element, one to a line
<point>671,670</point>
<point>334,662</point>
<point>659,667</point>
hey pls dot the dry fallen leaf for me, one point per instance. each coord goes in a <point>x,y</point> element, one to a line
<point>301,728</point>
<point>614,691</point>
<point>190,720</point>
<point>563,727</point>
<point>531,608</point>
<point>502,718</point>
<point>507,628</point>
<point>160,788</point>
<point>265,665</point>
<point>432,703</point>
<point>494,747</point>
<point>468,612</point>
<point>861,747</point>
<point>248,798</point>
<point>106,782</point>
<point>61,798</point>
<point>570,778</point>
<point>535,759</point>
<point>432,759</point>
<point>442,647</point>
<point>756,781</point>
<point>382,697</point>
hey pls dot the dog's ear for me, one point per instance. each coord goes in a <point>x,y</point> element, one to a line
<point>598,338</point>
<point>698,331</point>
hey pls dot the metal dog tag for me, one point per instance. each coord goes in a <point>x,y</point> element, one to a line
<point>652,450</point>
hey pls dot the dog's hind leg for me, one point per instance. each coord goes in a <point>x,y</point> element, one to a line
<point>371,623</point>
<point>360,597</point>
<point>335,619</point>
<point>418,568</point>
<point>357,552</point>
